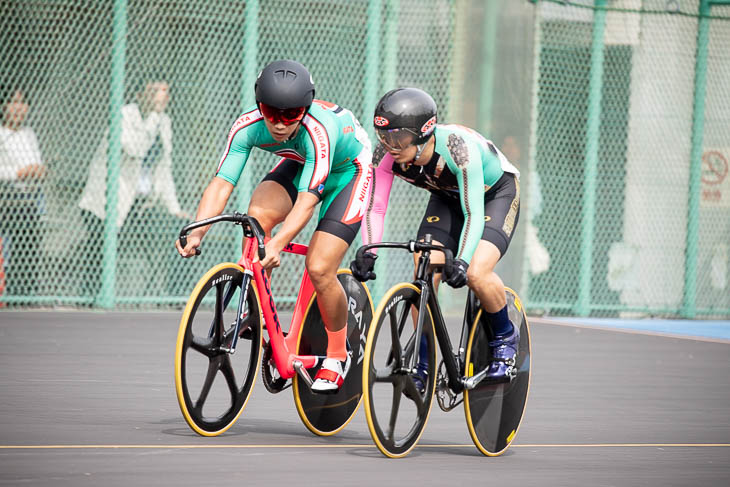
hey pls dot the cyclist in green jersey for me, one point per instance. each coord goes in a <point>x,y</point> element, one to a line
<point>325,158</point>
<point>473,209</point>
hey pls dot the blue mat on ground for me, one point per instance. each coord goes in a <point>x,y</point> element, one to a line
<point>697,328</point>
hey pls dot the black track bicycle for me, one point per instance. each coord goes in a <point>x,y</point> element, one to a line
<point>397,411</point>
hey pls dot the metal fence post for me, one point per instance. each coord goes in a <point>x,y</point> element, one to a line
<point>250,71</point>
<point>593,132</point>
<point>107,295</point>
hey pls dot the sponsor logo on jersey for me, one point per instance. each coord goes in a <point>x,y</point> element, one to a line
<point>487,218</point>
<point>243,121</point>
<point>432,219</point>
<point>356,206</point>
<point>381,121</point>
<point>320,188</point>
<point>321,143</point>
<point>428,126</point>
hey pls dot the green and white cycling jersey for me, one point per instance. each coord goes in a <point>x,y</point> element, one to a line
<point>327,144</point>
<point>463,168</point>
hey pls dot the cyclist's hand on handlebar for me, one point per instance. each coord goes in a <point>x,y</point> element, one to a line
<point>192,245</point>
<point>362,269</point>
<point>455,273</point>
<point>272,258</point>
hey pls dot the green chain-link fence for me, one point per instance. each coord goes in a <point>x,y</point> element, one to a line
<point>615,114</point>
<point>79,61</point>
<point>631,149</point>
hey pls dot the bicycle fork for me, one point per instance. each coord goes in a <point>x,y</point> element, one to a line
<point>239,312</point>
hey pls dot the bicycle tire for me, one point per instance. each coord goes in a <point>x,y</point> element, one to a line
<point>202,333</point>
<point>494,412</point>
<point>396,421</point>
<point>326,414</point>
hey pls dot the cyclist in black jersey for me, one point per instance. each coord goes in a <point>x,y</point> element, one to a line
<point>473,209</point>
<point>325,159</point>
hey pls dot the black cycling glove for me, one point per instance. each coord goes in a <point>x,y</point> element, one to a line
<point>362,268</point>
<point>455,273</point>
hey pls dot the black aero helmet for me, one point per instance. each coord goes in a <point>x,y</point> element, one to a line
<point>284,84</point>
<point>406,108</point>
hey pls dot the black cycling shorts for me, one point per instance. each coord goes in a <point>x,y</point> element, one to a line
<point>444,219</point>
<point>342,199</point>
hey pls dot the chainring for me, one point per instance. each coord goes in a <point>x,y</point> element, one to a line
<point>270,375</point>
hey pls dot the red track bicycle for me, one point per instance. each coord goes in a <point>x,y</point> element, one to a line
<point>220,342</point>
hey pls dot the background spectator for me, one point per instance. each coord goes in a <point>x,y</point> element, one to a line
<point>21,195</point>
<point>147,203</point>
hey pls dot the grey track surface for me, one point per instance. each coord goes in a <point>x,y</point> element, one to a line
<point>605,409</point>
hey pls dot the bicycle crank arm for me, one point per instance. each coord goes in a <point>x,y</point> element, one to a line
<point>472,382</point>
<point>299,367</point>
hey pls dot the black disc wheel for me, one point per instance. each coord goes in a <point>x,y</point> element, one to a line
<point>494,410</point>
<point>326,414</point>
<point>213,382</point>
<point>396,408</point>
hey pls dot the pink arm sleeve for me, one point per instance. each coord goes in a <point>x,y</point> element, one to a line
<point>373,223</point>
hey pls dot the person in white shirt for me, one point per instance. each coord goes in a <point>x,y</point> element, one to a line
<point>145,183</point>
<point>21,195</point>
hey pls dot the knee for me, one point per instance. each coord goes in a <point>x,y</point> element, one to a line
<point>319,272</point>
<point>266,218</point>
<point>473,276</point>
<point>488,282</point>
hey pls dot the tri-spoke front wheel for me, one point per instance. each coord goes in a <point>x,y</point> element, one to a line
<point>213,380</point>
<point>398,383</point>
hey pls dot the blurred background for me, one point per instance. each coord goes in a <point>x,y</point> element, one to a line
<point>616,112</point>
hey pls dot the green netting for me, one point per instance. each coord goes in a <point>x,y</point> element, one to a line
<point>62,55</point>
<point>617,121</point>
<point>630,107</point>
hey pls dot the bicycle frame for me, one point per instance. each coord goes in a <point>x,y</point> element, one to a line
<point>287,362</point>
<point>454,362</point>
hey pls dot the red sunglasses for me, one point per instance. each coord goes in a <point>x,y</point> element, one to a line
<point>287,116</point>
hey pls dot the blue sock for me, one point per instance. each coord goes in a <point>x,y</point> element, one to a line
<point>499,322</point>
<point>423,352</point>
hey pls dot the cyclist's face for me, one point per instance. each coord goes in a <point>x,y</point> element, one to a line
<point>399,143</point>
<point>405,155</point>
<point>282,123</point>
<point>280,132</point>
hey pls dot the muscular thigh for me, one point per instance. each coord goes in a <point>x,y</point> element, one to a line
<point>274,197</point>
<point>343,203</point>
<point>502,212</point>
<point>444,219</point>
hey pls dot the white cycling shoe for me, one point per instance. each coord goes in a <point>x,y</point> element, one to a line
<point>331,376</point>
